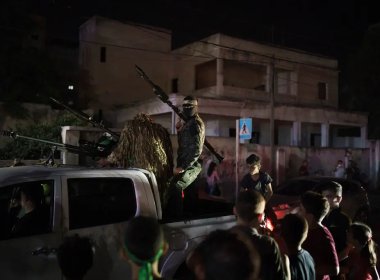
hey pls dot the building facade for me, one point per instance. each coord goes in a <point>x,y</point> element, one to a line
<point>291,95</point>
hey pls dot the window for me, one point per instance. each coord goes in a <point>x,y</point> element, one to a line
<point>349,131</point>
<point>100,201</point>
<point>322,91</point>
<point>244,75</point>
<point>205,74</point>
<point>175,85</point>
<point>36,196</point>
<point>103,54</point>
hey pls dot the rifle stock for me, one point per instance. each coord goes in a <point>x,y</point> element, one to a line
<point>165,98</point>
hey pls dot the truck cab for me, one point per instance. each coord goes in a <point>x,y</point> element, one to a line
<point>96,203</point>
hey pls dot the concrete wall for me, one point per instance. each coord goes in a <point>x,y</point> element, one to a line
<point>116,81</point>
<point>321,160</point>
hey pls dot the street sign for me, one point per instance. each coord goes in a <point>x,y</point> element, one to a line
<point>245,128</point>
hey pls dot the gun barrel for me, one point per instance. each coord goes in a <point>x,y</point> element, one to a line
<point>140,72</point>
<point>87,118</point>
<point>89,151</point>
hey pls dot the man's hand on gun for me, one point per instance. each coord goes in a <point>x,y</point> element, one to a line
<point>179,125</point>
<point>178,170</point>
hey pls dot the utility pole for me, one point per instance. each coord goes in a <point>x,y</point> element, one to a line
<point>271,123</point>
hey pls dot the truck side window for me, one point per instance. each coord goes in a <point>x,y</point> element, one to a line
<point>100,201</point>
<point>25,209</point>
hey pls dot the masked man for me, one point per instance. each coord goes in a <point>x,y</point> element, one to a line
<point>191,136</point>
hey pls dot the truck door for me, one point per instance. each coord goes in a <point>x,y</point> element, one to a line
<point>29,231</point>
<point>98,207</point>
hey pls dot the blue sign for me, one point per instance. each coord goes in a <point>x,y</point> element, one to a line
<point>245,128</point>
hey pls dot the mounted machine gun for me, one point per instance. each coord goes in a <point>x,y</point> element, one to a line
<point>91,150</point>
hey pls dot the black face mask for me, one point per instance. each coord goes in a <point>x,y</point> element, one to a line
<point>189,111</point>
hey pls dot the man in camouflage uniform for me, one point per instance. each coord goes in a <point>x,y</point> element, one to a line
<point>191,136</point>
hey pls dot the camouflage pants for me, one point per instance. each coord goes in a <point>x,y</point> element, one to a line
<point>184,179</point>
<point>179,183</point>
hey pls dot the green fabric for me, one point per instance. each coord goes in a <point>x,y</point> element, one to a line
<point>145,271</point>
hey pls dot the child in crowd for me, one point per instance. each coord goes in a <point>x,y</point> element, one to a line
<point>75,257</point>
<point>294,230</point>
<point>319,242</point>
<point>225,254</point>
<point>213,179</point>
<point>362,258</point>
<point>143,246</point>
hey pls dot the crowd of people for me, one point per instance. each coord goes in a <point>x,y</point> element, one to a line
<point>319,242</point>
<point>349,171</point>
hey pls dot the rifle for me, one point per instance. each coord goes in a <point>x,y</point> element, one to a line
<point>165,98</point>
<point>83,116</point>
<point>88,150</point>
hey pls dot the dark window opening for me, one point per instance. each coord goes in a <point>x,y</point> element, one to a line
<point>322,91</point>
<point>315,139</point>
<point>14,221</point>
<point>103,54</point>
<point>205,74</point>
<point>244,75</point>
<point>100,201</point>
<point>349,132</point>
<point>232,132</point>
<point>175,85</point>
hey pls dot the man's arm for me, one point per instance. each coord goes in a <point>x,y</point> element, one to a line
<point>269,192</point>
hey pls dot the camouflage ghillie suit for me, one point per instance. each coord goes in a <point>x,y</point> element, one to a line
<point>145,144</point>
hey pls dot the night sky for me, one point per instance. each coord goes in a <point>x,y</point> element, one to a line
<point>335,28</point>
<point>323,26</point>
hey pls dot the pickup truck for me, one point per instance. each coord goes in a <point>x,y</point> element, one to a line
<point>97,203</point>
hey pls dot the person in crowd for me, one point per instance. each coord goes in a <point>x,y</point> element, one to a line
<point>339,170</point>
<point>191,137</point>
<point>336,221</point>
<point>304,168</point>
<point>353,171</point>
<point>257,179</point>
<point>144,244</point>
<point>75,257</point>
<point>319,242</point>
<point>362,258</point>
<point>225,254</point>
<point>34,217</point>
<point>213,180</point>
<point>249,210</point>
<point>294,230</point>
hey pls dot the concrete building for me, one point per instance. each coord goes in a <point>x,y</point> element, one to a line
<point>232,78</point>
<point>291,95</point>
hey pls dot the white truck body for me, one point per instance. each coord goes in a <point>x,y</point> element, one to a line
<point>95,203</point>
